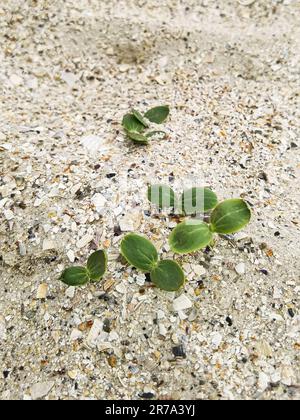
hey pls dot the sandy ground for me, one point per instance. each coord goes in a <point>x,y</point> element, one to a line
<point>230,72</point>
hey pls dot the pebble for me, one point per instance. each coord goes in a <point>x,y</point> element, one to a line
<point>263,381</point>
<point>71,256</point>
<point>99,202</point>
<point>9,215</point>
<point>48,245</point>
<point>121,288</point>
<point>41,389</point>
<point>84,241</point>
<point>94,333</point>
<point>179,351</point>
<point>182,303</point>
<point>70,78</point>
<point>76,335</point>
<point>216,339</point>
<point>42,291</point>
<point>131,222</point>
<point>2,328</point>
<point>240,268</point>
<point>70,292</point>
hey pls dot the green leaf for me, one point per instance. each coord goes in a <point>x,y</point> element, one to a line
<point>198,200</point>
<point>137,137</point>
<point>75,276</point>
<point>139,252</point>
<point>132,124</point>
<point>190,236</point>
<point>162,196</point>
<point>230,216</point>
<point>158,114</point>
<point>140,118</point>
<point>156,133</point>
<point>97,265</point>
<point>168,275</point>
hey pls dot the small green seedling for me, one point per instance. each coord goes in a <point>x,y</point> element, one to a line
<point>193,201</point>
<point>142,254</point>
<point>230,216</point>
<point>93,272</point>
<point>135,124</point>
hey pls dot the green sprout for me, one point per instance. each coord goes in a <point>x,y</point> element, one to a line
<point>135,124</point>
<point>93,272</point>
<point>228,217</point>
<point>192,201</point>
<point>142,254</point>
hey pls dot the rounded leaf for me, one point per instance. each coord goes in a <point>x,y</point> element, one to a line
<point>158,114</point>
<point>132,124</point>
<point>168,275</point>
<point>190,236</point>
<point>140,118</point>
<point>75,276</point>
<point>230,216</point>
<point>139,252</point>
<point>137,137</point>
<point>162,196</point>
<point>97,265</point>
<point>198,200</point>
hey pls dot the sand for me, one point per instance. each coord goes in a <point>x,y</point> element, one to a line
<point>71,182</point>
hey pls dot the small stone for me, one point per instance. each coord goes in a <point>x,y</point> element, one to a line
<point>263,348</point>
<point>41,389</point>
<point>9,215</point>
<point>99,202</point>
<point>182,303</point>
<point>199,270</point>
<point>216,339</point>
<point>69,78</point>
<point>240,268</point>
<point>84,241</point>
<point>16,80</point>
<point>277,294</point>
<point>75,335</point>
<point>121,288</point>
<point>2,328</point>
<point>70,292</point>
<point>112,361</point>
<point>162,330</point>
<point>71,256</point>
<point>22,249</point>
<point>131,222</point>
<point>263,381</point>
<point>48,245</point>
<point>72,374</point>
<point>94,333</point>
<point>42,291</point>
<point>179,351</point>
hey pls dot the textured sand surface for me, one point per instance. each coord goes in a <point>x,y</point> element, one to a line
<point>70,70</point>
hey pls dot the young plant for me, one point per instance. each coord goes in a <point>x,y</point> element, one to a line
<point>142,254</point>
<point>193,201</point>
<point>135,124</point>
<point>93,272</point>
<point>230,216</point>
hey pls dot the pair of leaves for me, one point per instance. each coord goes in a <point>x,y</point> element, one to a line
<point>230,216</point>
<point>192,201</point>
<point>94,271</point>
<point>142,254</point>
<point>135,123</point>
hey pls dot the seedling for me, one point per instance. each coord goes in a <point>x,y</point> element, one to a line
<point>93,272</point>
<point>193,201</point>
<point>142,254</point>
<point>230,216</point>
<point>135,124</point>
